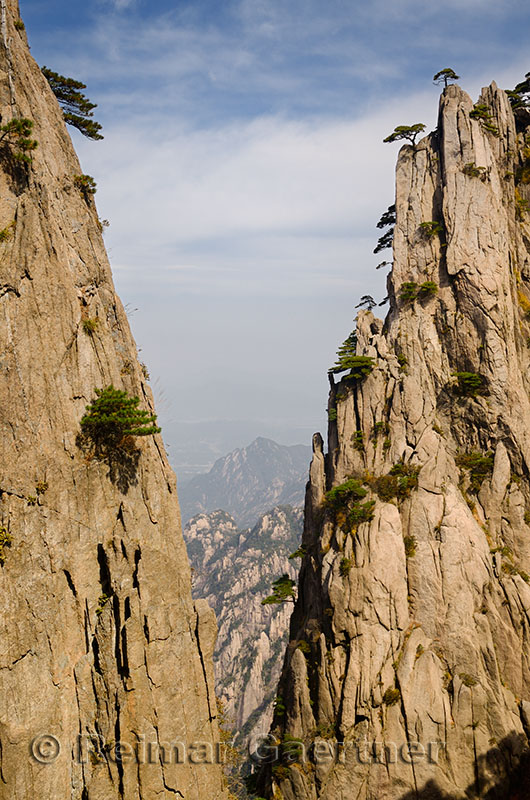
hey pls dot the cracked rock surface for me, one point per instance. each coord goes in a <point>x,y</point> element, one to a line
<point>99,636</point>
<point>419,619</point>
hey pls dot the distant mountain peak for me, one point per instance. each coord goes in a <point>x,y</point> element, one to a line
<point>249,481</point>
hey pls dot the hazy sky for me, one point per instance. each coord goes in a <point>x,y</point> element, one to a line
<point>243,170</point>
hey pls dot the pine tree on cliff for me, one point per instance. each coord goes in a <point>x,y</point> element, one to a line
<point>77,108</point>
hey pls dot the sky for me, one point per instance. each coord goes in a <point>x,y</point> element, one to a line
<point>243,173</point>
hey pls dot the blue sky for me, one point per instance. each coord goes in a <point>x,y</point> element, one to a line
<point>243,171</point>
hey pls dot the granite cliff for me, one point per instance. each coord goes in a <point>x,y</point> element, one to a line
<point>102,647</point>
<point>413,680</point>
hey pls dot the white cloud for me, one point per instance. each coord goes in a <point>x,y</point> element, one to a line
<point>271,177</point>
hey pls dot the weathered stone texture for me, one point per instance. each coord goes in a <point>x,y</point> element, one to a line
<point>72,662</point>
<point>447,625</point>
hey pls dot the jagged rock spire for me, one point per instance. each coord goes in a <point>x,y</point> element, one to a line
<point>419,619</point>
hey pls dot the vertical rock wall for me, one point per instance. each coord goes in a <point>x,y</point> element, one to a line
<point>419,620</point>
<point>99,637</point>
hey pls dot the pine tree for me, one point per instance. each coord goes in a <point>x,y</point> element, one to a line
<point>77,108</point>
<point>520,96</point>
<point>359,366</point>
<point>113,416</point>
<point>409,132</point>
<point>282,591</point>
<point>445,75</point>
<point>345,353</point>
<point>16,133</point>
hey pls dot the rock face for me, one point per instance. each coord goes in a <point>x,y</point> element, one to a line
<point>249,481</point>
<point>99,636</point>
<point>234,570</point>
<point>419,619</point>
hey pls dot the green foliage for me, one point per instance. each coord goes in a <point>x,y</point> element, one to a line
<point>388,217</point>
<point>292,748</point>
<point>6,540</point>
<point>427,289</point>
<point>398,483</point>
<point>5,233</point>
<point>41,487</point>
<point>304,646</point>
<point>519,96</point>
<point>419,651</point>
<point>279,706</point>
<point>345,566</point>
<point>102,602</point>
<point>522,174</point>
<point>386,487</point>
<point>385,241</point>
<point>358,442</point>
<point>19,25</point>
<point>325,730</point>
<point>445,75</point>
<point>345,351</point>
<point>359,366</point>
<point>482,113</point>
<point>77,108</point>
<point>402,361</point>
<point>332,414</point>
<point>31,500</point>
<point>407,478</point>
<point>280,772</point>
<point>408,132</point>
<point>468,680</point>
<point>521,207</point>
<point>366,301</point>
<point>339,497</point>
<point>145,371</point>
<point>361,512</point>
<point>504,550</point>
<point>86,185</point>
<point>90,326</point>
<point>391,697</point>
<point>472,171</point>
<point>282,591</point>
<point>300,553</point>
<point>470,384</point>
<point>16,134</point>
<point>478,465</point>
<point>378,429</point>
<point>408,292</point>
<point>410,546</point>
<point>113,416</point>
<point>430,229</point>
<point>344,500</point>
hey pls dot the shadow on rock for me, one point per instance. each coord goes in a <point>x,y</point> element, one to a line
<point>503,773</point>
<point>122,460</point>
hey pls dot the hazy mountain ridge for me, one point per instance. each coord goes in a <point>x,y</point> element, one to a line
<point>234,569</point>
<point>249,481</point>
